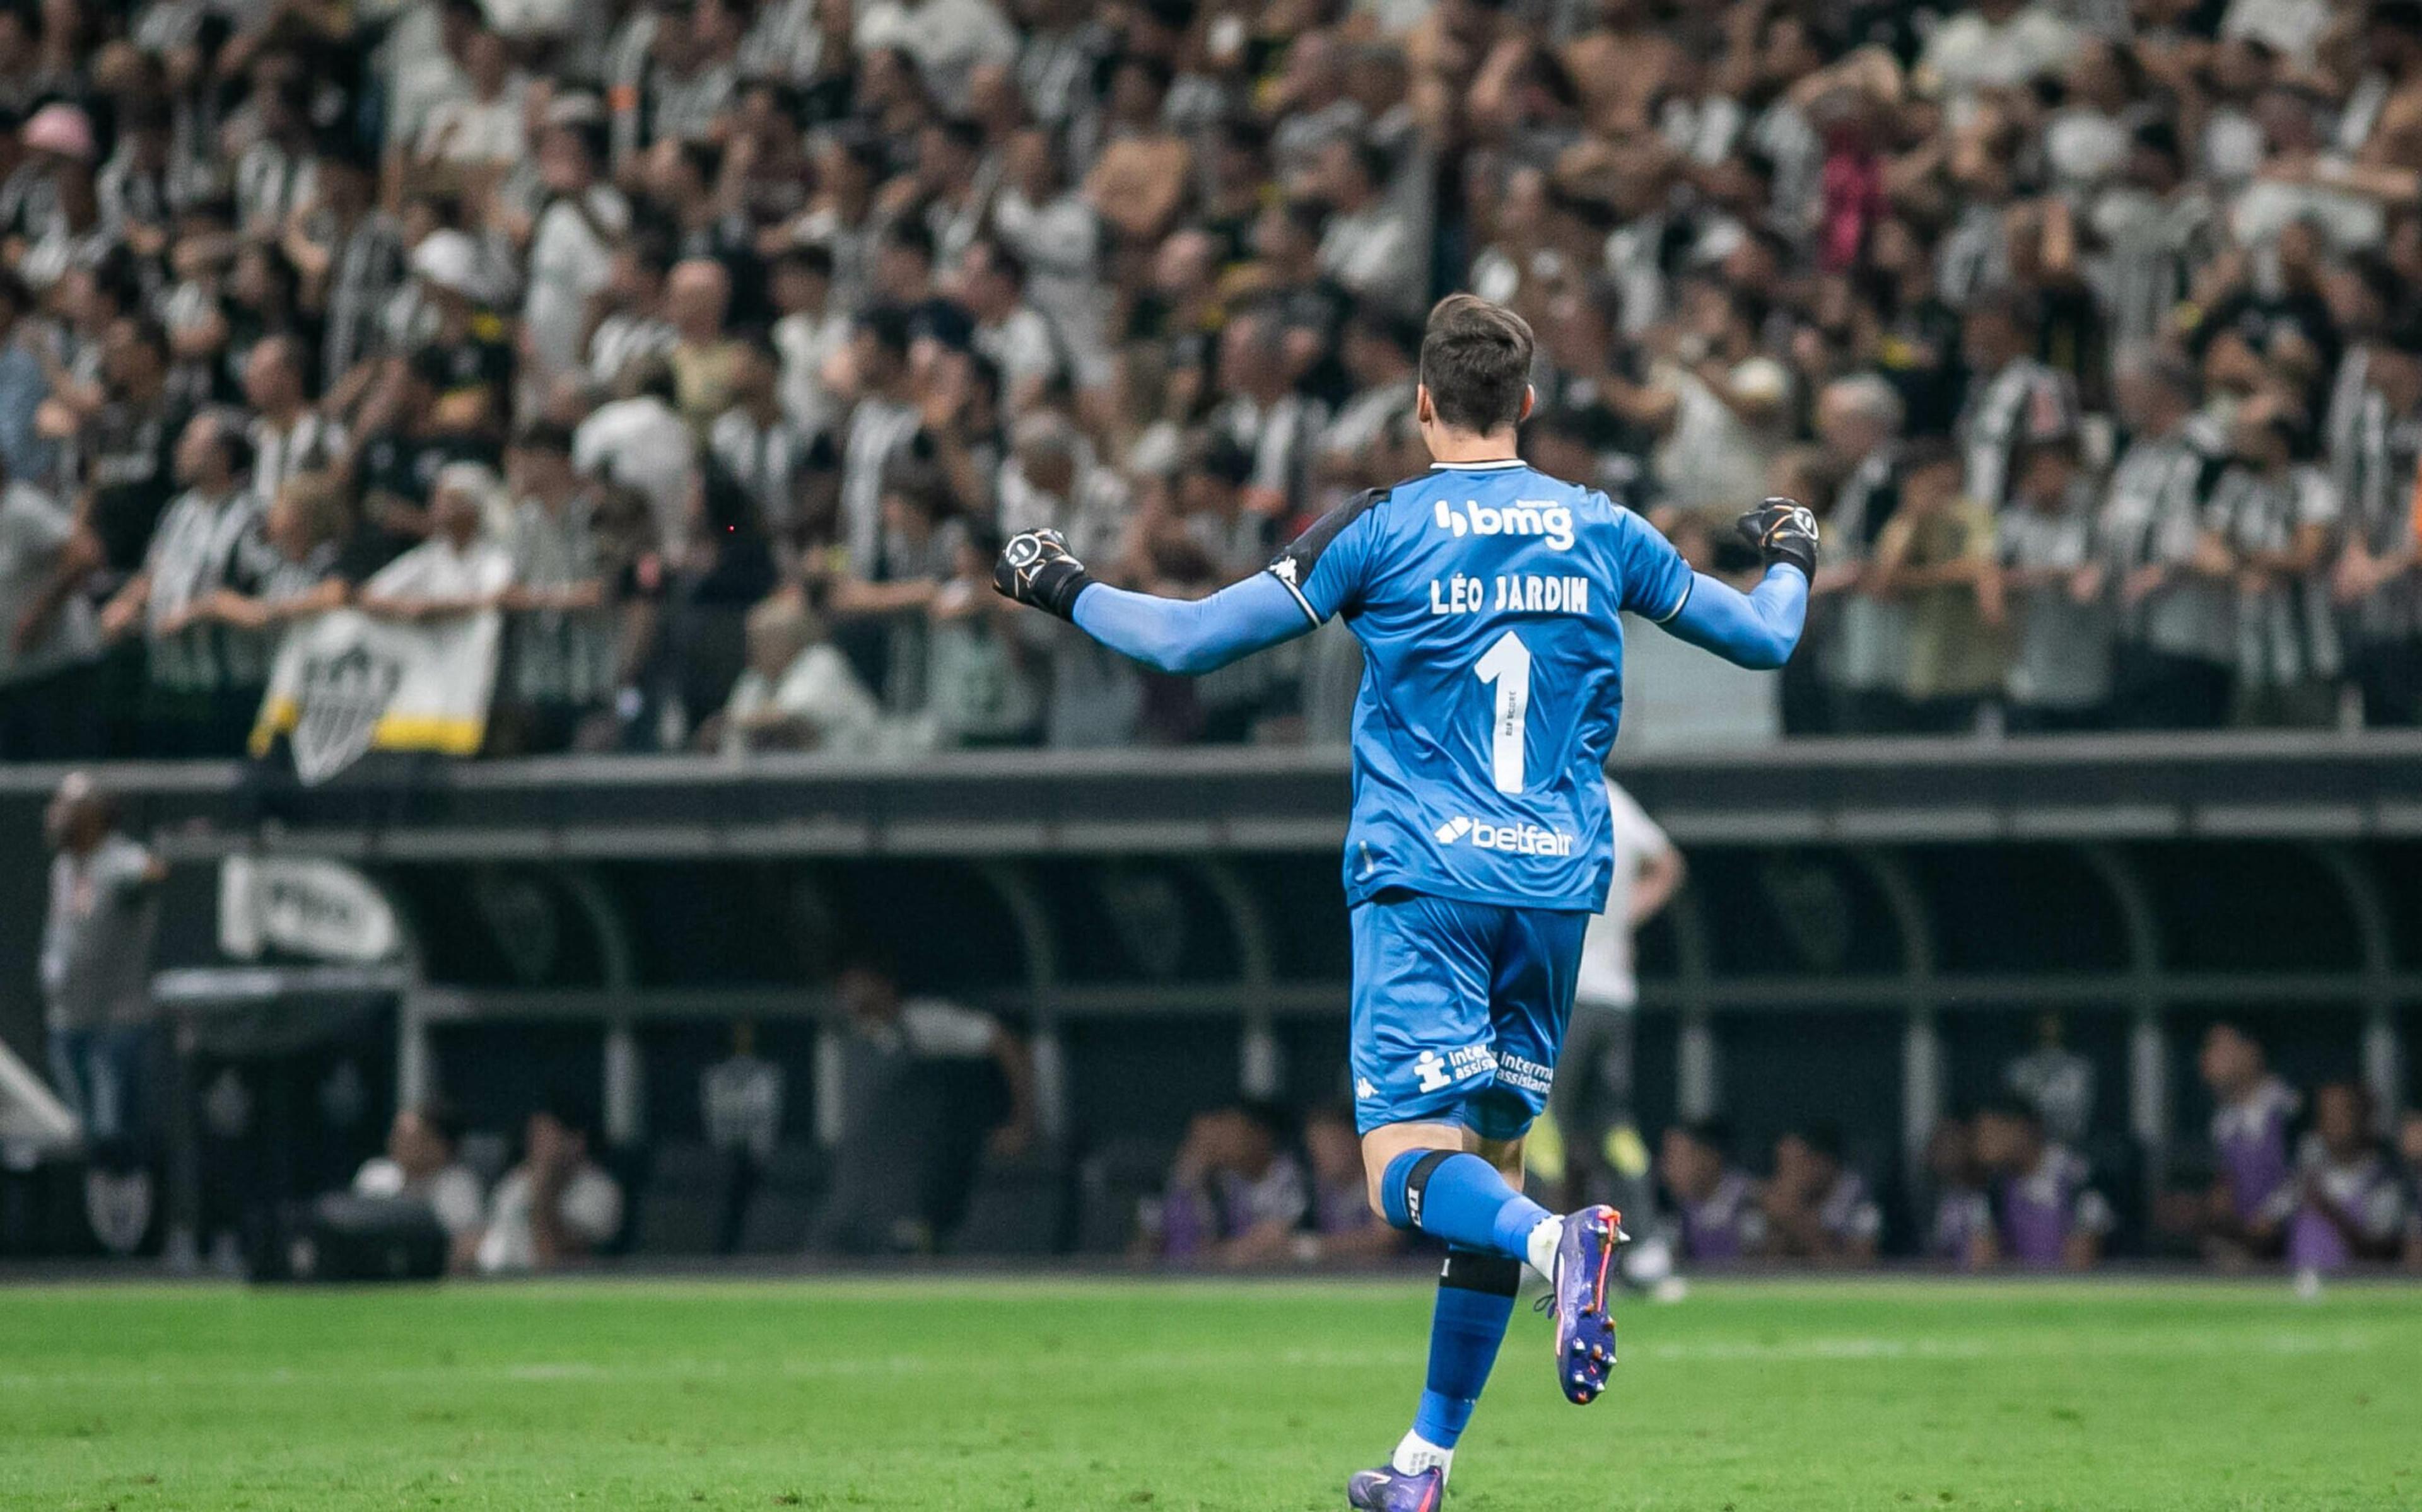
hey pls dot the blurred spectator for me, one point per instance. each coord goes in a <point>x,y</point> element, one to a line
<point>2014,399</point>
<point>560,657</point>
<point>1593,1090</point>
<point>95,964</point>
<point>914,1122</point>
<point>202,685</point>
<point>2349,1200</point>
<point>2055,1081</point>
<point>48,708</point>
<point>2167,568</point>
<point>1341,1228</point>
<point>638,440</point>
<point>559,1206</point>
<point>459,570</point>
<point>1937,555</point>
<point>420,1163</point>
<point>796,693</point>
<point>96,972</point>
<point>1235,1196</point>
<point>2059,676</point>
<point>1958,1214</point>
<point>740,1097</point>
<point>2249,1136</point>
<point>2047,1212</point>
<point>1722,1220</point>
<point>2275,512</point>
<point>1817,1208</point>
<point>1861,637</point>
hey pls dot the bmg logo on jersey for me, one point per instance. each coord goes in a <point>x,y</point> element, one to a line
<point>1523,517</point>
<point>1522,839</point>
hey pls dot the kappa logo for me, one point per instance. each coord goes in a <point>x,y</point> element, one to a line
<point>1523,517</point>
<point>1364,1090</point>
<point>1284,569</point>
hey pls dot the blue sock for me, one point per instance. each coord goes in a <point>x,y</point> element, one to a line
<point>1475,1301</point>
<point>1459,1197</point>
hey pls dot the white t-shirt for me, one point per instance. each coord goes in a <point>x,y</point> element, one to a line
<point>819,687</point>
<point>590,1206</point>
<point>452,1194</point>
<point>932,1029</point>
<point>1712,457</point>
<point>1606,977</point>
<point>435,570</point>
<point>643,445</point>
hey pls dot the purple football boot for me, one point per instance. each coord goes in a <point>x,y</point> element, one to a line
<point>1584,1329</point>
<point>1392,1490</point>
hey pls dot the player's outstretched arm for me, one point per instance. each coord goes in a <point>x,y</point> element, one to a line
<point>1758,629</point>
<point>1178,635</point>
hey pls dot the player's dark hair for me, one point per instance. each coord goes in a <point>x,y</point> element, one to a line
<point>1476,363</point>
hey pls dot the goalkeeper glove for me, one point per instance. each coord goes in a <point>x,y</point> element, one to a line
<point>1036,568</point>
<point>1782,531</point>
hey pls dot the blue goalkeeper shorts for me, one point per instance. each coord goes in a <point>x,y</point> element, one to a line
<point>1459,1010</point>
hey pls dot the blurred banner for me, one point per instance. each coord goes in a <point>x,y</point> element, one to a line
<point>346,684</point>
<point>302,906</point>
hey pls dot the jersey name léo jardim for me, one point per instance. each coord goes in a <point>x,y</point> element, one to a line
<point>1487,597</point>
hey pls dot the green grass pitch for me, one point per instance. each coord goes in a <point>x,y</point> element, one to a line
<point>953,1394</point>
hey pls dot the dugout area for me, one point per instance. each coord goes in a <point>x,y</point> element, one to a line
<point>1868,935</point>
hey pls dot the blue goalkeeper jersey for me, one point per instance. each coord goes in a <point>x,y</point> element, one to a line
<point>1487,599</point>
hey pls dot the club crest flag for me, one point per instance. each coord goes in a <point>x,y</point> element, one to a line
<point>345,684</point>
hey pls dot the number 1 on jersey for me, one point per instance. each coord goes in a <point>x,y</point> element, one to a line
<point>1507,665</point>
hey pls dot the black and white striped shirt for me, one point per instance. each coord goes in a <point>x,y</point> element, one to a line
<point>766,458</point>
<point>2376,473</point>
<point>366,266</point>
<point>309,445</point>
<point>2154,514</point>
<point>2026,401</point>
<point>2285,634</point>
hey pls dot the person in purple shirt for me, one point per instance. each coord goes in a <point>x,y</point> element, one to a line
<point>1817,1208</point>
<point>1343,1230</point>
<point>2045,1212</point>
<point>2347,1200</point>
<point>1235,1194</point>
<point>1717,1204</point>
<point>2250,1146</point>
<point>1960,1228</point>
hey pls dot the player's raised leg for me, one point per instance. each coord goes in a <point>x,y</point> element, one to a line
<point>1531,1002</point>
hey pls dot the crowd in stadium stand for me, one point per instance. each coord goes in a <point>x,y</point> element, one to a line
<point>715,343</point>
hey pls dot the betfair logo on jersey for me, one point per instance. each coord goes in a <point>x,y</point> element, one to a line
<point>1521,839</point>
<point>1523,517</point>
